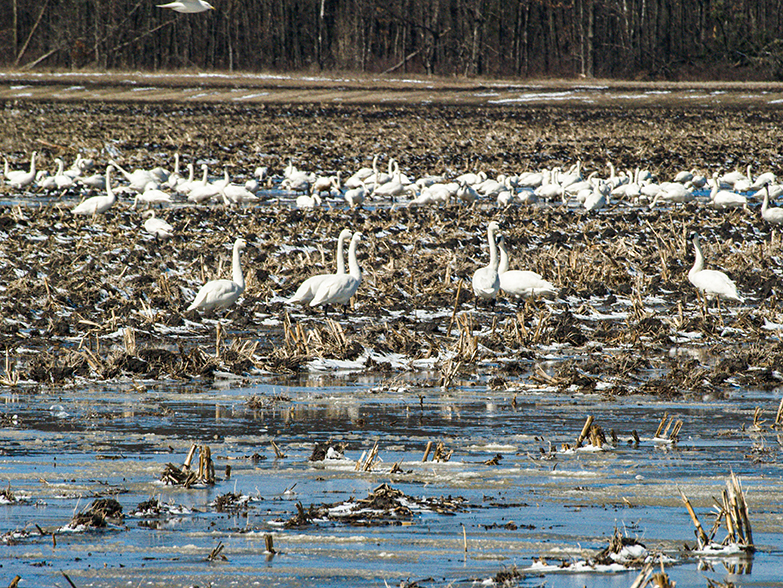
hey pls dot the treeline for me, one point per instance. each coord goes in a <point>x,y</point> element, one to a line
<point>639,39</point>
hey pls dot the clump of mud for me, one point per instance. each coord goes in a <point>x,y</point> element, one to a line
<point>383,506</point>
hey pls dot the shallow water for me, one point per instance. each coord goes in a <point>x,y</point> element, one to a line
<point>69,447</point>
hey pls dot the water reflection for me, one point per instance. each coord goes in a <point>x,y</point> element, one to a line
<point>507,463</point>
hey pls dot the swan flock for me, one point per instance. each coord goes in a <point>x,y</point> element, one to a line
<point>370,186</point>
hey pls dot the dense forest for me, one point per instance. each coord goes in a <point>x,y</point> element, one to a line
<point>631,39</point>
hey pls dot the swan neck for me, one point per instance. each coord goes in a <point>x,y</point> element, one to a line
<point>340,256</point>
<point>503,264</point>
<point>239,278</point>
<point>109,191</point>
<point>493,249</point>
<point>698,263</point>
<point>353,263</point>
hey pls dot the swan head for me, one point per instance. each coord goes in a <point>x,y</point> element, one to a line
<point>240,244</point>
<point>148,213</point>
<point>493,226</point>
<point>345,235</point>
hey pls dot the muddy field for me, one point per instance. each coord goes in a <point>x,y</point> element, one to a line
<point>97,303</point>
<point>622,273</point>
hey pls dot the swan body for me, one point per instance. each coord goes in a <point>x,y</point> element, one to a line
<point>151,195</point>
<point>137,180</point>
<point>93,182</point>
<point>530,180</point>
<point>685,176</point>
<point>44,180</point>
<point>313,201</point>
<point>486,281</point>
<point>307,289</point>
<point>98,204</point>
<point>598,198</point>
<point>466,193</point>
<point>673,192</point>
<point>184,186</point>
<point>296,184</point>
<point>773,216</point>
<point>355,196</point>
<point>722,199</point>
<point>339,289</point>
<point>21,178</point>
<point>234,193</point>
<point>520,283</point>
<point>157,226</point>
<point>712,283</point>
<point>202,191</point>
<point>217,294</point>
<point>471,178</point>
<point>764,179</point>
<point>188,6</point>
<point>63,182</point>
<point>361,175</point>
<point>732,177</point>
<point>326,183</point>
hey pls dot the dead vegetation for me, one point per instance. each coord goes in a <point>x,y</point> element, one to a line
<point>99,300</point>
<point>385,505</point>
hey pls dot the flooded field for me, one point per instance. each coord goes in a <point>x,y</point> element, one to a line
<point>415,438</point>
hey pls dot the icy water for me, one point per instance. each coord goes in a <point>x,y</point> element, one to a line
<point>62,450</point>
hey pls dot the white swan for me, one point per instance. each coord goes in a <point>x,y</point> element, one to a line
<point>340,289</point>
<point>722,199</point>
<point>44,181</point>
<point>98,204</point>
<point>188,6</point>
<point>732,177</point>
<point>307,289</point>
<point>234,193</point>
<point>305,202</point>
<point>773,216</point>
<point>217,294</point>
<point>466,193</point>
<point>362,174</point>
<point>712,283</point>
<point>21,178</point>
<point>520,283</point>
<point>394,187</point>
<point>139,179</point>
<point>93,182</point>
<point>62,181</point>
<point>157,226</point>
<point>184,186</point>
<point>202,191</point>
<point>598,198</point>
<point>355,196</point>
<point>174,178</point>
<point>151,195</point>
<point>486,281</point>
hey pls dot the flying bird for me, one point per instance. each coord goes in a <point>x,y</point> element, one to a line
<point>188,6</point>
